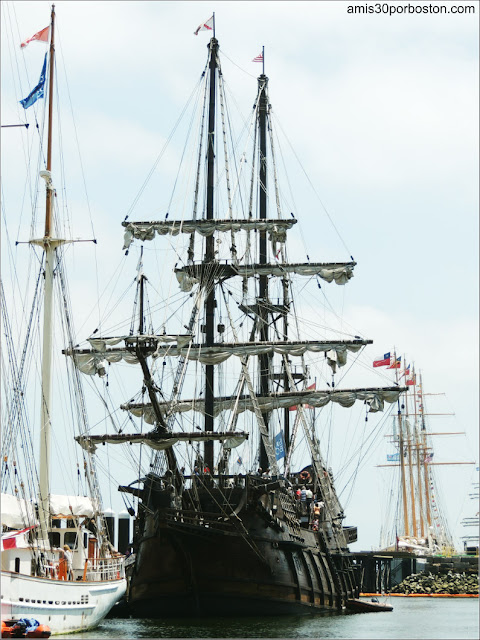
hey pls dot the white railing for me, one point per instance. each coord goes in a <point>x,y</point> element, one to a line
<point>100,569</point>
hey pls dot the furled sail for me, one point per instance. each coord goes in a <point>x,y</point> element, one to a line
<point>146,230</point>
<point>230,439</point>
<point>16,512</point>
<point>93,361</point>
<point>191,274</point>
<point>374,397</point>
<point>61,505</point>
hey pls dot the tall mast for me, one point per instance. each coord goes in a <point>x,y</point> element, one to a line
<point>210,302</point>
<point>49,245</point>
<point>410,474</point>
<point>264,360</point>
<point>419,474</point>
<point>425,463</point>
<point>402,462</point>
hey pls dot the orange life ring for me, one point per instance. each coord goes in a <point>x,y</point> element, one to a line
<point>304,475</point>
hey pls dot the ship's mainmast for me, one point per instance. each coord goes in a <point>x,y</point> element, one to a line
<point>210,302</point>
<point>262,304</point>
<point>49,244</point>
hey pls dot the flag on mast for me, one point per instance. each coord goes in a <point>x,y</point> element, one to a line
<point>411,378</point>
<point>38,91</point>
<point>382,362</point>
<point>205,26</point>
<point>9,540</point>
<point>406,372</point>
<point>258,58</point>
<point>41,36</point>
<point>396,363</point>
<point>305,406</point>
<point>279,446</point>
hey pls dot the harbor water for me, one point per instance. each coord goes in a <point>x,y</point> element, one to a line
<point>455,618</point>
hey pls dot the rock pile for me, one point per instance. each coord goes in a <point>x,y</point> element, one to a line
<point>450,583</point>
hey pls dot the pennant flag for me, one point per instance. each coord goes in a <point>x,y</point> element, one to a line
<point>382,362</point>
<point>279,446</point>
<point>306,406</point>
<point>41,36</point>
<point>396,363</point>
<point>9,540</point>
<point>239,460</point>
<point>394,457</point>
<point>259,58</point>
<point>205,26</point>
<point>38,92</point>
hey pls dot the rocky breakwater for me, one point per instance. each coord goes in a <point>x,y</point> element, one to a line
<point>430,584</point>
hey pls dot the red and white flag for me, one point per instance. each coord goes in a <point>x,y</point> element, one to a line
<point>382,362</point>
<point>305,406</point>
<point>9,540</point>
<point>41,36</point>
<point>259,58</point>
<point>205,26</point>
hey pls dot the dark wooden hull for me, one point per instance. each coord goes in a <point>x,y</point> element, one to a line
<point>190,570</point>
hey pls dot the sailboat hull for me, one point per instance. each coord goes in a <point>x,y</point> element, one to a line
<point>193,570</point>
<point>63,606</point>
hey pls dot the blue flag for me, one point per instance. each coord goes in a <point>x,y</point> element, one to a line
<point>394,457</point>
<point>279,446</point>
<point>38,92</point>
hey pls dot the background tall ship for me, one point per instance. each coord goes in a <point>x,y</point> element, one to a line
<point>227,396</point>
<point>417,521</point>
<point>37,524</point>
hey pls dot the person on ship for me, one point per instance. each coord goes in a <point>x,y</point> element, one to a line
<point>317,508</point>
<point>309,498</point>
<point>69,559</point>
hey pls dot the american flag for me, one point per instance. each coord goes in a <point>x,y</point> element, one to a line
<point>259,58</point>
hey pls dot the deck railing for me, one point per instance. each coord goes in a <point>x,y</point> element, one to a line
<point>99,569</point>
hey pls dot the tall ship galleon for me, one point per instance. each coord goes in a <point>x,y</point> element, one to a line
<point>238,512</point>
<point>58,565</point>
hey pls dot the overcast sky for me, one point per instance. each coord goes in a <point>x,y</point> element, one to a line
<point>381,109</point>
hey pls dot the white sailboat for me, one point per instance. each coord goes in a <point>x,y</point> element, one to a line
<point>58,564</point>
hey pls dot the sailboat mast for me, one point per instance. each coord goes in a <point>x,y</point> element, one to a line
<point>410,474</point>
<point>210,302</point>
<point>419,474</point>
<point>49,249</point>
<point>425,463</point>
<point>402,462</point>
<point>264,359</point>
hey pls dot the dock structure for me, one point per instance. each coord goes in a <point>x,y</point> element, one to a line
<point>381,571</point>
